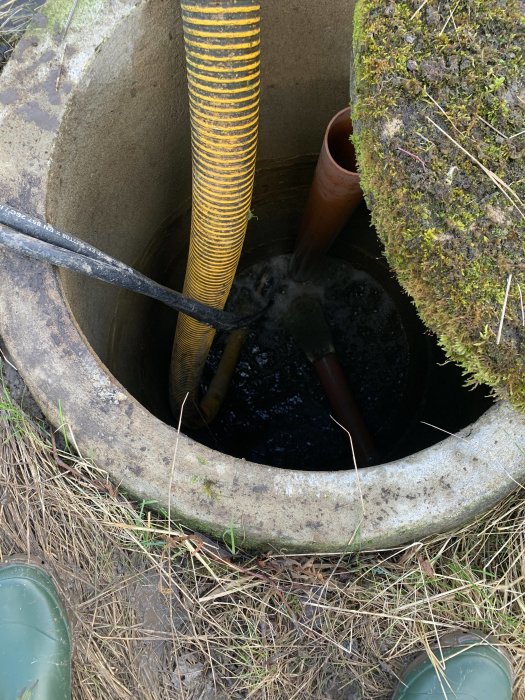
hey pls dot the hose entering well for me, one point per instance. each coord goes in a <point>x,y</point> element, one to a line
<point>222,57</point>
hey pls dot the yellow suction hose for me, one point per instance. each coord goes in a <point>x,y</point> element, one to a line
<point>222,58</point>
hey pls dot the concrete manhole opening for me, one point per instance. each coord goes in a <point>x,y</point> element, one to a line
<point>106,156</point>
<point>276,412</point>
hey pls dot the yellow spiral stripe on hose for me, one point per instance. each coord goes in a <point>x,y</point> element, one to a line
<point>213,22</point>
<point>223,67</point>
<point>229,58</point>
<point>218,69</point>
<point>233,103</point>
<point>225,47</point>
<point>220,124</point>
<point>202,8</point>
<point>224,110</point>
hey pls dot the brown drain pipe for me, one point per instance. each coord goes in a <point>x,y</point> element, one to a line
<point>305,321</point>
<point>334,194</point>
<point>345,409</point>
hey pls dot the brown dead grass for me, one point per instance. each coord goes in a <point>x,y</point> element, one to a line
<point>167,613</point>
<point>15,16</point>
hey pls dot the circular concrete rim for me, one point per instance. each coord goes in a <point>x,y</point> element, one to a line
<point>432,491</point>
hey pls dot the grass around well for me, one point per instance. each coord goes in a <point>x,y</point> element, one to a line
<point>159,611</point>
<point>15,16</point>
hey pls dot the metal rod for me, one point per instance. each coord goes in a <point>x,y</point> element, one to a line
<point>43,242</point>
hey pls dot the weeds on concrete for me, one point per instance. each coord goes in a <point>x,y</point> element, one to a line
<point>438,114</point>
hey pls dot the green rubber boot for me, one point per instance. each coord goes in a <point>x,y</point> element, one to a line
<point>474,670</point>
<point>35,643</point>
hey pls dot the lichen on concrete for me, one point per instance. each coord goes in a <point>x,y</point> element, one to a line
<point>60,14</point>
<point>439,121</point>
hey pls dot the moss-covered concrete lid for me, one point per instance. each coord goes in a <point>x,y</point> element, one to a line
<point>439,123</point>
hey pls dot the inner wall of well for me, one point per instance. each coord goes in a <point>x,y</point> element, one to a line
<point>121,167</point>
<point>121,170</point>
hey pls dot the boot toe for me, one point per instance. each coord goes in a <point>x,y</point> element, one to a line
<point>35,643</point>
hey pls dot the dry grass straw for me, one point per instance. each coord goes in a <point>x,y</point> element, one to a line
<point>167,613</point>
<point>15,16</point>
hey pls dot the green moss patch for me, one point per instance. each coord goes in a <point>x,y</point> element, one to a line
<point>61,13</point>
<point>439,128</point>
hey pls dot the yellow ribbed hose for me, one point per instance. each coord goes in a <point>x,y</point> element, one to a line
<point>222,59</point>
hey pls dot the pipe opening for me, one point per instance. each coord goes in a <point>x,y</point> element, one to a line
<point>341,149</point>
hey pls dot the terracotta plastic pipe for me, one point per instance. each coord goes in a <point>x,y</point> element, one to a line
<point>334,194</point>
<point>345,409</point>
<point>306,323</point>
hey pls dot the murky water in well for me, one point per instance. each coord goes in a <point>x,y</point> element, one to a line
<point>276,411</point>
